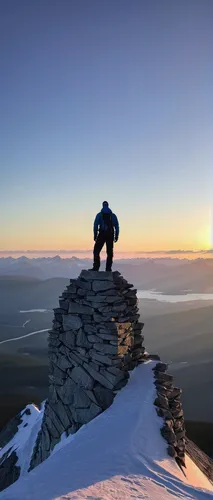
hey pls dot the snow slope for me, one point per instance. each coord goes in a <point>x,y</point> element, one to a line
<point>118,455</point>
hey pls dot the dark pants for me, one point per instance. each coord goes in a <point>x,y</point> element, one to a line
<point>108,238</point>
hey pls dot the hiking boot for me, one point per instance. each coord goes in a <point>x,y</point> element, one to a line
<point>108,270</point>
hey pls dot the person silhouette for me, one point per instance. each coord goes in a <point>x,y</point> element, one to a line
<point>106,230</point>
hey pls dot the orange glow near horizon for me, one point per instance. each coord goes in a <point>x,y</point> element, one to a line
<point>149,236</point>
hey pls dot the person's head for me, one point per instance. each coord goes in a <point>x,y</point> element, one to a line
<point>105,204</point>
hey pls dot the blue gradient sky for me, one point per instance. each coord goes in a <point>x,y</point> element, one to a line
<point>106,100</point>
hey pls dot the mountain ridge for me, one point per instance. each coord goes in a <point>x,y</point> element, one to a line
<point>115,467</point>
<point>165,275</point>
<point>95,347</point>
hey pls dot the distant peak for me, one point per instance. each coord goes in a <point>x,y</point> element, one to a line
<point>23,258</point>
<point>57,258</point>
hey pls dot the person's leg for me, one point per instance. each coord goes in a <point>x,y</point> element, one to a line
<point>97,249</point>
<point>109,248</point>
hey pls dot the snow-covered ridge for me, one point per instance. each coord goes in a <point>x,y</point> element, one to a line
<point>20,436</point>
<point>118,455</point>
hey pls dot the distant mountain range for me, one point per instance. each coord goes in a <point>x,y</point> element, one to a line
<point>165,274</point>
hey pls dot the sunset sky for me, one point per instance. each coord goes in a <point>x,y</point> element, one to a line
<point>106,100</point>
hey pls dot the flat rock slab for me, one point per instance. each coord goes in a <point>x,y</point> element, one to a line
<point>71,322</point>
<point>96,275</point>
<point>93,338</point>
<point>104,285</point>
<point>59,409</point>
<point>101,318</point>
<point>111,299</point>
<point>105,348</point>
<point>75,396</point>
<point>85,285</point>
<point>83,416</point>
<point>95,298</point>
<point>98,377</point>
<point>109,293</point>
<point>75,308</point>
<point>81,339</point>
<point>104,396</point>
<point>104,360</point>
<point>68,338</point>
<point>46,438</point>
<point>63,363</point>
<point>81,377</point>
<point>53,423</point>
<point>106,336</point>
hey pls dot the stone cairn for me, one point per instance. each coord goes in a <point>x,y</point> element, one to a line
<point>170,409</point>
<point>94,342</point>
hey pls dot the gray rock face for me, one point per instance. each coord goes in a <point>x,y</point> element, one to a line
<point>83,416</point>
<point>95,339</point>
<point>47,439</point>
<point>106,336</point>
<point>61,414</point>
<point>96,299</point>
<point>80,309</point>
<point>103,395</point>
<point>98,286</point>
<point>84,285</point>
<point>82,340</point>
<point>96,375</point>
<point>63,363</point>
<point>101,359</point>
<point>71,322</point>
<point>9,471</point>
<point>81,377</point>
<point>67,392</point>
<point>105,348</point>
<point>10,430</point>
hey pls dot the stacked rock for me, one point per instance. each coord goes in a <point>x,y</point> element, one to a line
<point>170,409</point>
<point>95,340</point>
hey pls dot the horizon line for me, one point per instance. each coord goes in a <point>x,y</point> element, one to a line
<point>86,251</point>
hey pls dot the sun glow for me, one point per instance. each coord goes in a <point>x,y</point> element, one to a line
<point>205,236</point>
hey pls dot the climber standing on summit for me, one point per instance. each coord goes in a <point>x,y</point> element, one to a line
<point>106,230</point>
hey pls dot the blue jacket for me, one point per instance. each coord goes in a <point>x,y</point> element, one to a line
<point>99,222</point>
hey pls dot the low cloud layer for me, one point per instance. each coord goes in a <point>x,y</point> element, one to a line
<point>88,253</point>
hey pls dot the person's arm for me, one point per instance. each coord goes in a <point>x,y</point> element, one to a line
<point>116,226</point>
<point>96,226</point>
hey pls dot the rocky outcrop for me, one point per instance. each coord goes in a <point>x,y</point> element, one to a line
<point>169,408</point>
<point>9,470</point>
<point>11,429</point>
<point>95,341</point>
